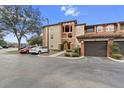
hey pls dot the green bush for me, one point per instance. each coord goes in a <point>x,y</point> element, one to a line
<point>115,48</point>
<point>115,45</point>
<point>75,55</point>
<point>117,56</point>
<point>76,50</point>
<point>68,50</point>
<point>67,54</point>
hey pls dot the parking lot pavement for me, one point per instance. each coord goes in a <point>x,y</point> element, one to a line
<point>26,71</point>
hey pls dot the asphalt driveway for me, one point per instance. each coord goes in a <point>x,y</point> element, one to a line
<point>26,71</point>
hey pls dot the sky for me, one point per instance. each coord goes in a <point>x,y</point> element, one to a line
<point>92,14</point>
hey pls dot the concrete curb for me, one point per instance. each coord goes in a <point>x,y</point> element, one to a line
<point>63,57</point>
<point>71,57</point>
<point>120,61</point>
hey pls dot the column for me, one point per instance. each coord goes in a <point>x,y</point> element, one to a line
<point>118,27</point>
<point>95,29</point>
<point>82,48</point>
<point>74,34</point>
<point>104,28</point>
<point>109,50</point>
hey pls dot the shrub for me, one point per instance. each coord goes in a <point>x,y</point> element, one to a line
<point>75,55</point>
<point>67,54</point>
<point>115,44</point>
<point>76,50</point>
<point>68,50</point>
<point>115,48</point>
<point>117,56</point>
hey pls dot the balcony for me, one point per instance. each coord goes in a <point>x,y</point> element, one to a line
<point>66,35</point>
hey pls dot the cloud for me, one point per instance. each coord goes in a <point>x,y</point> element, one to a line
<point>70,10</point>
<point>63,8</point>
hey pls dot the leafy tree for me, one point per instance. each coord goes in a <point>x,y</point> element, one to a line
<point>35,40</point>
<point>19,20</point>
<point>2,42</point>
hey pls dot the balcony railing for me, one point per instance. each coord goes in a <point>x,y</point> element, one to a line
<point>67,35</point>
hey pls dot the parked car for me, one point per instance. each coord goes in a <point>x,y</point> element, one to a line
<point>1,47</point>
<point>5,46</point>
<point>38,50</point>
<point>25,50</point>
<point>23,47</point>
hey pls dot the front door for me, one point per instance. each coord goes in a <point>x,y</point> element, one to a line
<point>65,46</point>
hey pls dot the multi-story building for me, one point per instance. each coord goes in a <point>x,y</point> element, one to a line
<point>94,40</point>
<point>62,35</point>
<point>97,39</point>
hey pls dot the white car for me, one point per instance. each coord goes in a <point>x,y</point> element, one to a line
<point>38,50</point>
<point>1,47</point>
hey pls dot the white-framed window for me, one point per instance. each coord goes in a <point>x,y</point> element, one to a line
<point>99,28</point>
<point>122,26</point>
<point>110,28</point>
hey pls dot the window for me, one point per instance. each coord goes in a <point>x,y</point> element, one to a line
<point>63,29</point>
<point>66,28</point>
<point>89,29</point>
<point>70,35</point>
<point>99,28</point>
<point>71,28</point>
<point>110,28</point>
<point>122,26</point>
<point>40,47</point>
<point>51,46</point>
<point>51,36</point>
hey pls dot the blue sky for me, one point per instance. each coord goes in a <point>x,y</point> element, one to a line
<point>83,14</point>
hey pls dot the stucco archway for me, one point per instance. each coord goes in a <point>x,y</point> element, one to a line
<point>65,45</point>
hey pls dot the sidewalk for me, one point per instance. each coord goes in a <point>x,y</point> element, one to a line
<point>57,54</point>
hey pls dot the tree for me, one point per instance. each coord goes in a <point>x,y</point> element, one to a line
<point>2,42</point>
<point>35,40</point>
<point>19,20</point>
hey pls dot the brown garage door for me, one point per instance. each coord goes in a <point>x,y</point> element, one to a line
<point>95,48</point>
<point>121,44</point>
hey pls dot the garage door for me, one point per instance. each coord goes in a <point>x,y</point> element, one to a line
<point>95,48</point>
<point>121,44</point>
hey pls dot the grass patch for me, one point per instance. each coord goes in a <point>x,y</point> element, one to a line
<point>117,56</point>
<point>12,52</point>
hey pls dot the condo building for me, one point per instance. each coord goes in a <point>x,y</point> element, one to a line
<point>94,40</point>
<point>62,35</point>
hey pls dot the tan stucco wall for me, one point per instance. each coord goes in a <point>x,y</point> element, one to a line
<point>79,31</point>
<point>45,36</point>
<point>56,41</point>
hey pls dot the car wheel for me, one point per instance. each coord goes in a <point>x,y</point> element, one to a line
<point>27,52</point>
<point>39,52</point>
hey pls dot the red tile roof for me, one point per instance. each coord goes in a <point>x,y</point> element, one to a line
<point>105,35</point>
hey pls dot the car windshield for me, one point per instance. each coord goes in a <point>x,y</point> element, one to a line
<point>39,47</point>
